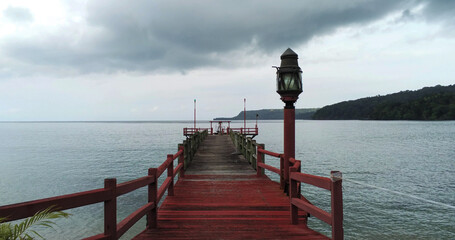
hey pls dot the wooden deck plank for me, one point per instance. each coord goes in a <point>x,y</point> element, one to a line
<point>217,156</point>
<point>212,203</point>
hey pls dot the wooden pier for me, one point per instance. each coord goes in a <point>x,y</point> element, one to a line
<point>221,197</point>
<point>221,193</point>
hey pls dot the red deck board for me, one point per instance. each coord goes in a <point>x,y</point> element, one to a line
<point>227,210</point>
<point>232,203</point>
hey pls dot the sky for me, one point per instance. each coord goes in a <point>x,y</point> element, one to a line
<point>116,60</point>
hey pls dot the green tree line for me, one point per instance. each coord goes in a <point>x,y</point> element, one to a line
<point>429,103</point>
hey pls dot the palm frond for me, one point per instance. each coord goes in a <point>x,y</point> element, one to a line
<point>5,231</point>
<point>41,218</point>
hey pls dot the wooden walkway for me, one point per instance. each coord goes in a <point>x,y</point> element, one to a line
<point>222,198</point>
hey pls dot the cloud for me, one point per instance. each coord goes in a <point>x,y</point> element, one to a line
<point>18,14</point>
<point>147,36</point>
<point>440,10</point>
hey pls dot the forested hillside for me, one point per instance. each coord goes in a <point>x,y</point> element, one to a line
<point>429,103</point>
<point>272,114</point>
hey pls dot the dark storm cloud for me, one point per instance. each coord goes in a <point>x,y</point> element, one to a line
<point>443,10</point>
<point>18,14</point>
<point>148,35</point>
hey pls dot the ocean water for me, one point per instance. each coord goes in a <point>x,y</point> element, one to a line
<point>417,159</point>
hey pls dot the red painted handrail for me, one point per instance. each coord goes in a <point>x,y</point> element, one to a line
<point>333,184</point>
<point>273,154</point>
<point>126,187</point>
<point>74,200</point>
<point>129,221</point>
<point>108,195</point>
<point>246,131</point>
<point>163,188</point>
<point>268,167</point>
<point>260,165</point>
<point>163,167</point>
<point>192,131</point>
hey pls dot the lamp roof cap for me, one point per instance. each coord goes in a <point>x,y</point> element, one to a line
<point>289,54</point>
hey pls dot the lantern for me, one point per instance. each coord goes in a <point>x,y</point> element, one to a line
<point>289,77</point>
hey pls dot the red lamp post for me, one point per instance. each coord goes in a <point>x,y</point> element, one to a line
<point>289,86</point>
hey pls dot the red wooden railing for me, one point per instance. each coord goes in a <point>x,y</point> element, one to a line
<point>191,131</point>
<point>109,195</point>
<point>297,201</point>
<point>246,131</point>
<point>261,165</point>
<point>333,184</point>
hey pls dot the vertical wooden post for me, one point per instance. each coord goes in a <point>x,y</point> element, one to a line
<point>337,205</point>
<point>293,194</point>
<point>110,209</point>
<point>241,142</point>
<point>253,153</point>
<point>299,184</point>
<point>260,159</point>
<point>170,173</point>
<point>282,180</point>
<point>247,150</point>
<point>182,160</point>
<point>190,147</point>
<point>237,142</point>
<point>152,197</point>
<point>250,150</point>
<point>185,153</point>
<point>243,145</point>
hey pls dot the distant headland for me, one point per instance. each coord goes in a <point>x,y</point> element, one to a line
<point>271,114</point>
<point>428,103</point>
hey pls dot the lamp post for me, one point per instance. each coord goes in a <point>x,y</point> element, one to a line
<point>244,114</point>
<point>289,86</point>
<point>194,115</point>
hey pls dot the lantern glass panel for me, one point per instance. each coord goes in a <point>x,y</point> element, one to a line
<point>290,81</point>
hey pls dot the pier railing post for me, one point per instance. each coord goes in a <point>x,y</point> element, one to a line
<point>253,153</point>
<point>250,151</point>
<point>170,173</point>
<point>243,145</point>
<point>294,193</point>
<point>152,197</point>
<point>282,179</point>
<point>260,159</point>
<point>185,153</point>
<point>110,209</point>
<point>182,160</point>
<point>237,141</point>
<point>337,205</point>
<point>248,146</point>
<point>190,149</point>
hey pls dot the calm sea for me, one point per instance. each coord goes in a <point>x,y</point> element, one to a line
<point>39,160</point>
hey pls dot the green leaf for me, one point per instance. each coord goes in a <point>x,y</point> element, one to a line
<point>19,231</point>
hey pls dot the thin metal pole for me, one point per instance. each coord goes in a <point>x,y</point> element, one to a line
<point>195,113</point>
<point>244,113</point>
